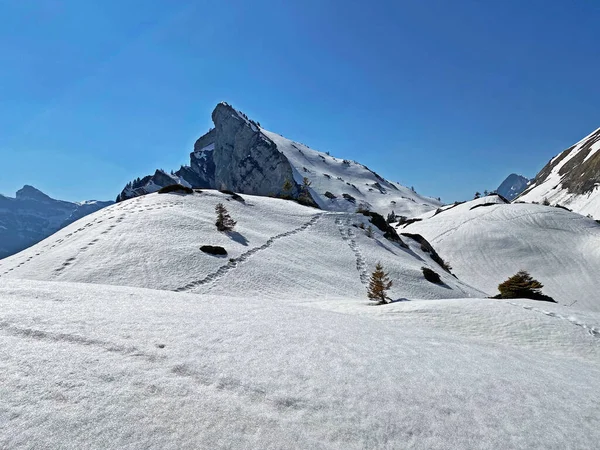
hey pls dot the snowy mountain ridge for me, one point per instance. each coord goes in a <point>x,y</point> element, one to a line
<point>241,156</point>
<point>571,179</point>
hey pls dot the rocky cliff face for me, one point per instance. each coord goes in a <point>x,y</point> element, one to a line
<point>32,216</point>
<point>571,179</point>
<point>245,159</point>
<point>512,187</point>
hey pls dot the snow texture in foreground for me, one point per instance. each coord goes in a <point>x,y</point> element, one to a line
<point>90,366</point>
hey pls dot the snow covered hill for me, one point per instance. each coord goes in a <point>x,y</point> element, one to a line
<point>118,332</point>
<point>241,156</point>
<point>486,241</point>
<point>571,179</point>
<point>32,216</point>
<point>278,247</point>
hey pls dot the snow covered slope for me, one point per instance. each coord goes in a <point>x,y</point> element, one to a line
<point>32,216</point>
<point>486,241</point>
<point>571,179</point>
<point>91,366</point>
<point>278,248</point>
<point>328,174</point>
<point>241,156</point>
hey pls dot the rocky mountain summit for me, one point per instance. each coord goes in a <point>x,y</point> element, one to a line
<point>241,156</point>
<point>32,216</point>
<point>571,179</point>
<point>512,186</point>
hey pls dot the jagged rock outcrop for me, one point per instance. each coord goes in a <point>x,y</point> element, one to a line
<point>512,186</point>
<point>570,179</point>
<point>245,159</point>
<point>32,216</point>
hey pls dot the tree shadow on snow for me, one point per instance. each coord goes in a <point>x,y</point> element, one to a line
<point>402,299</point>
<point>237,237</point>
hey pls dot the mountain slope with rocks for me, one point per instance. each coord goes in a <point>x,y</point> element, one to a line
<point>570,179</point>
<point>32,216</point>
<point>239,155</point>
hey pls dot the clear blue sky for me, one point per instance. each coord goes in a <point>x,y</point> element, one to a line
<point>448,96</point>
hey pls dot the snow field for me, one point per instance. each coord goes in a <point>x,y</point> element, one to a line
<point>114,367</point>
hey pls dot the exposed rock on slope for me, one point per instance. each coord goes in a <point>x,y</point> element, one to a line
<point>241,156</point>
<point>512,187</point>
<point>571,179</point>
<point>32,216</point>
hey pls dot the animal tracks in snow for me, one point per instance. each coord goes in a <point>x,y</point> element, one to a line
<point>349,236</point>
<point>591,330</point>
<point>233,262</point>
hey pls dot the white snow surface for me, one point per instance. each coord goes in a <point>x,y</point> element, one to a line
<point>488,244</point>
<point>117,332</point>
<point>338,176</point>
<point>92,366</point>
<point>552,190</point>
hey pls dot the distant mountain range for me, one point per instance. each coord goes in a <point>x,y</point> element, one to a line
<point>570,179</point>
<point>31,216</point>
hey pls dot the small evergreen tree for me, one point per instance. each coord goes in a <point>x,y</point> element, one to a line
<point>224,221</point>
<point>378,285</point>
<point>546,202</point>
<point>287,186</point>
<point>477,195</point>
<point>521,285</point>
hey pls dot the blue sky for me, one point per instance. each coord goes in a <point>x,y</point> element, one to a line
<point>449,97</point>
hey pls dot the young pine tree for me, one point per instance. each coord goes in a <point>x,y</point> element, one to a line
<point>378,285</point>
<point>224,221</point>
<point>287,187</point>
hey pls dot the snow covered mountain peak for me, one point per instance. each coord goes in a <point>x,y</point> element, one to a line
<point>239,155</point>
<point>571,179</point>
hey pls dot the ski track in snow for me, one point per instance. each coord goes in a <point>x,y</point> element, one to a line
<point>591,330</point>
<point>349,236</point>
<point>233,262</point>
